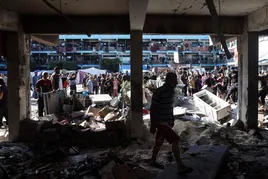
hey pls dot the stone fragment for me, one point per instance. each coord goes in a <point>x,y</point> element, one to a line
<point>111,116</point>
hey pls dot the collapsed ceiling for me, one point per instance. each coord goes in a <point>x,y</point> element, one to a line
<point>100,7</point>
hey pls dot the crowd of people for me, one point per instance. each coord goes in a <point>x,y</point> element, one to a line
<point>109,83</point>
<point>222,82</point>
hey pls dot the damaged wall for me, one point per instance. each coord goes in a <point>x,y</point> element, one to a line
<point>18,55</point>
<point>258,20</point>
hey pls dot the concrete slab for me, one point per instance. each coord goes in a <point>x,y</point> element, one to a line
<point>205,160</point>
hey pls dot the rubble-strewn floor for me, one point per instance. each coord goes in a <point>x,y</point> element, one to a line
<point>247,156</point>
<point>248,153</point>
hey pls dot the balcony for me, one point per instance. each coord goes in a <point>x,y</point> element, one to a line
<point>44,48</point>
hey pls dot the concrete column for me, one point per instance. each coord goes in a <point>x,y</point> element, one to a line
<point>136,84</point>
<point>18,55</point>
<point>248,46</point>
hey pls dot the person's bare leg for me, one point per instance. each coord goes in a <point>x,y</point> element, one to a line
<point>176,151</point>
<point>156,150</point>
<point>177,155</point>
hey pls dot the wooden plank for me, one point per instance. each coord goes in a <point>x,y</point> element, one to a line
<point>205,161</point>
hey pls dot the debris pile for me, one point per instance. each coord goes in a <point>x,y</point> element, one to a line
<point>18,161</point>
<point>94,112</point>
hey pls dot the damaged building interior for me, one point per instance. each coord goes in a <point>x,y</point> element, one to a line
<point>56,147</point>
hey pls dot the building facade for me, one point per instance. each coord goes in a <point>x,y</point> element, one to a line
<point>159,50</point>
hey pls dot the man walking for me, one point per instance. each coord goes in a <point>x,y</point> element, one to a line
<point>233,81</point>
<point>56,80</point>
<point>42,86</point>
<point>162,121</point>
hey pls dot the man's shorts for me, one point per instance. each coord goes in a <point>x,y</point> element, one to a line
<point>166,131</point>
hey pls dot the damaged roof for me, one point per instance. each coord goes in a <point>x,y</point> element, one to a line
<point>102,7</point>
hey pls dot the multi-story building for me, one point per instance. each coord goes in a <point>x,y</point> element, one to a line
<point>157,49</point>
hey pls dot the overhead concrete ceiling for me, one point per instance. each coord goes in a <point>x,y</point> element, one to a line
<point>98,7</point>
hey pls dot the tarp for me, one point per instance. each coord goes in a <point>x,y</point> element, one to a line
<point>93,71</point>
<point>39,72</point>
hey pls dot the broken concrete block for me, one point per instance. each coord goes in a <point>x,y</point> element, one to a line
<point>111,116</point>
<point>214,107</point>
<point>123,172</point>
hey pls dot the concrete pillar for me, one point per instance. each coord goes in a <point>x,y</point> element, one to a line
<point>248,49</point>
<point>18,55</point>
<point>136,84</point>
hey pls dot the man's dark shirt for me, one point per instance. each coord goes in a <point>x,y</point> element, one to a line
<point>162,105</point>
<point>56,81</point>
<point>126,78</point>
<point>43,86</point>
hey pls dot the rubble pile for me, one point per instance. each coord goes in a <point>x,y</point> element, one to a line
<point>248,151</point>
<point>18,161</point>
<point>101,114</point>
<point>14,157</point>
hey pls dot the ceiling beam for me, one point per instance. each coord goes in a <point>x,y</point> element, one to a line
<point>119,24</point>
<point>8,20</point>
<point>137,13</point>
